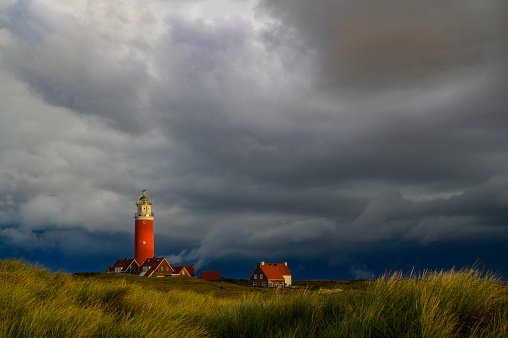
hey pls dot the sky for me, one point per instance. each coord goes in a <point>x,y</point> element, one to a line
<point>348,138</point>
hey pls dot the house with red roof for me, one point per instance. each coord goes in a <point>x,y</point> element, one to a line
<point>271,275</point>
<point>188,269</point>
<point>152,267</point>
<point>180,270</point>
<point>155,267</point>
<point>124,266</point>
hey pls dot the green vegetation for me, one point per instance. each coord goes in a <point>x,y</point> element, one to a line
<point>37,303</point>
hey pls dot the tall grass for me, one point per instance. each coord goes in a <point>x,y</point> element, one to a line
<point>464,303</point>
<point>36,303</point>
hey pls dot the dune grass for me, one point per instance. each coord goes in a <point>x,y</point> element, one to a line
<point>37,303</point>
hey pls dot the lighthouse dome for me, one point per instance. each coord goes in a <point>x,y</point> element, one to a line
<point>144,198</point>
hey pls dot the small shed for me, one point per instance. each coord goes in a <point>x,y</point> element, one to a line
<point>210,275</point>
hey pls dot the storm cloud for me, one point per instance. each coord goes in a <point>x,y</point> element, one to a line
<point>327,134</point>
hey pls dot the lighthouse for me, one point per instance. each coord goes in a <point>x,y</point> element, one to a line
<point>143,231</point>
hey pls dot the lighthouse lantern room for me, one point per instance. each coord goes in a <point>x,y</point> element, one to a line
<point>143,231</point>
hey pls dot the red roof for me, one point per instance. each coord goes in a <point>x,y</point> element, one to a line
<point>271,272</point>
<point>189,268</point>
<point>284,270</point>
<point>124,264</point>
<point>150,265</point>
<point>177,270</point>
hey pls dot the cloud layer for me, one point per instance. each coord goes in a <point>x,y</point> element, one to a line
<point>325,133</point>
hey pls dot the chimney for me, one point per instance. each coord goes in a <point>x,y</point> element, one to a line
<point>262,263</point>
<point>285,263</point>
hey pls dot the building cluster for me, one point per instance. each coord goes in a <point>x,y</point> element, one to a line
<point>152,267</point>
<point>265,275</point>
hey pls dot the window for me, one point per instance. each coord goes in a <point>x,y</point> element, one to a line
<point>261,276</point>
<point>254,284</point>
<point>255,276</point>
<point>144,242</point>
<point>144,222</point>
<point>118,269</point>
<point>264,284</point>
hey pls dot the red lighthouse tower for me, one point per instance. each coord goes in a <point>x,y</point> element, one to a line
<point>143,232</point>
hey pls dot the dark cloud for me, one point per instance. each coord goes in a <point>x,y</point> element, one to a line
<point>487,201</point>
<point>371,45</point>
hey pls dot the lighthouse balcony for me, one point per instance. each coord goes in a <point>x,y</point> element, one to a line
<point>144,214</point>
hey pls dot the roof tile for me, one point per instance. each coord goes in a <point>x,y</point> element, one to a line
<point>271,272</point>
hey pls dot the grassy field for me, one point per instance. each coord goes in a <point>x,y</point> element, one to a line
<point>37,303</point>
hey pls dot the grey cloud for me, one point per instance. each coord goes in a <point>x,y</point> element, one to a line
<point>76,66</point>
<point>257,236</point>
<point>387,221</point>
<point>388,205</point>
<point>372,44</point>
<point>324,130</point>
<point>487,201</point>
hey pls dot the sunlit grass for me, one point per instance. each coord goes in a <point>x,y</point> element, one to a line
<point>37,303</point>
